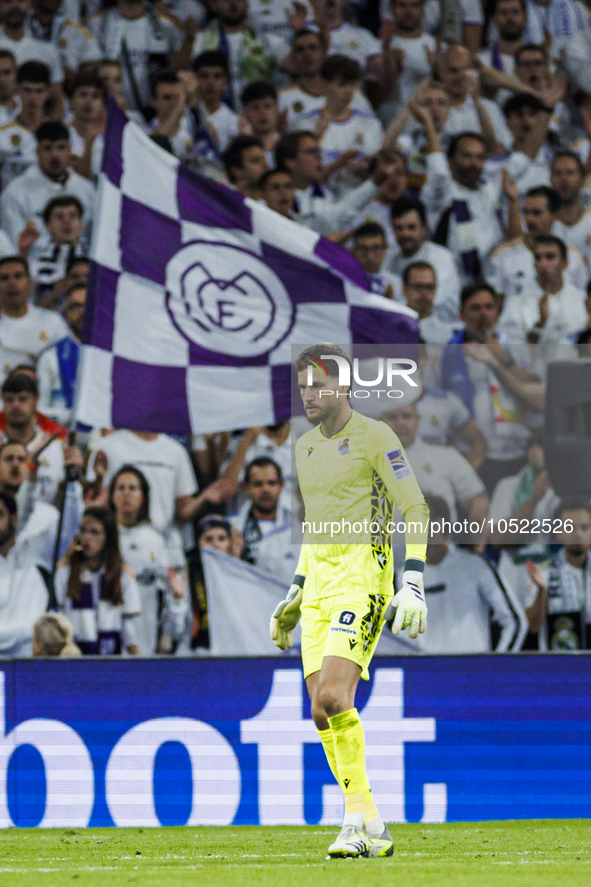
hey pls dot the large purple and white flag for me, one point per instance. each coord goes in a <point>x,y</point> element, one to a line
<point>196,295</point>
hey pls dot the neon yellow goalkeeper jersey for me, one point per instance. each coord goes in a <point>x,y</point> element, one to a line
<point>350,483</point>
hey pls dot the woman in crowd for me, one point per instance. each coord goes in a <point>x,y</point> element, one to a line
<point>212,531</point>
<point>163,619</point>
<point>96,589</point>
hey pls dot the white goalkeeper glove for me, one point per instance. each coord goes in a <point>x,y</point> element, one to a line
<point>409,605</point>
<point>286,615</point>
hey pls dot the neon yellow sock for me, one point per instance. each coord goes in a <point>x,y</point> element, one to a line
<point>327,740</point>
<point>372,816</point>
<point>349,752</point>
<point>371,811</point>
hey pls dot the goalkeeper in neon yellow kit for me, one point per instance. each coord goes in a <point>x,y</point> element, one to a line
<point>351,470</point>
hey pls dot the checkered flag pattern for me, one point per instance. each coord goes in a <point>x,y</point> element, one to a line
<point>196,295</point>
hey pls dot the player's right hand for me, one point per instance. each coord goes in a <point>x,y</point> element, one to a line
<point>409,606</point>
<point>286,616</point>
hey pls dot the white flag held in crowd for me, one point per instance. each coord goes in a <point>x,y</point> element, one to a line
<point>196,295</point>
<point>240,600</point>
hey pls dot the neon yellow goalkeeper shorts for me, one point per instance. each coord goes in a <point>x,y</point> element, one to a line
<point>345,625</point>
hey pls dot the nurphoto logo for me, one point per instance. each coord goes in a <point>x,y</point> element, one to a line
<point>388,369</point>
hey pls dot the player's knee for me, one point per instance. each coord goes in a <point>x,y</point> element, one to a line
<point>331,699</point>
<point>318,713</point>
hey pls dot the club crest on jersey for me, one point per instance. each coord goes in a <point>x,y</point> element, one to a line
<point>343,446</point>
<point>399,466</point>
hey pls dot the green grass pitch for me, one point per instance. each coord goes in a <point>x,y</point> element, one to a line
<point>490,854</point>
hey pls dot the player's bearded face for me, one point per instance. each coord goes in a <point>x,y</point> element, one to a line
<point>320,398</point>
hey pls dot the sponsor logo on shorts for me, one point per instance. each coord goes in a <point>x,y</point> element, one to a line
<point>347,617</point>
<point>352,644</point>
<point>344,630</point>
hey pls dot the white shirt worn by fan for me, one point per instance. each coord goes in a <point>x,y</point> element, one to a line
<point>224,122</point>
<point>164,462</point>
<point>18,149</point>
<point>358,43</point>
<point>511,269</point>
<point>144,550</point>
<point>23,599</point>
<point>296,102</point>
<point>28,49</point>
<point>22,339</point>
<point>361,132</point>
<point>443,471</point>
<point>577,236</point>
<point>465,119</point>
<point>461,591</point>
<point>415,68</point>
<point>98,146</point>
<point>567,315</point>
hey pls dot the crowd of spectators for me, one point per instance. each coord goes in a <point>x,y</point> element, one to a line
<point>447,145</point>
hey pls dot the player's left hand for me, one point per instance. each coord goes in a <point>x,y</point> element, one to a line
<point>286,616</point>
<point>409,606</point>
